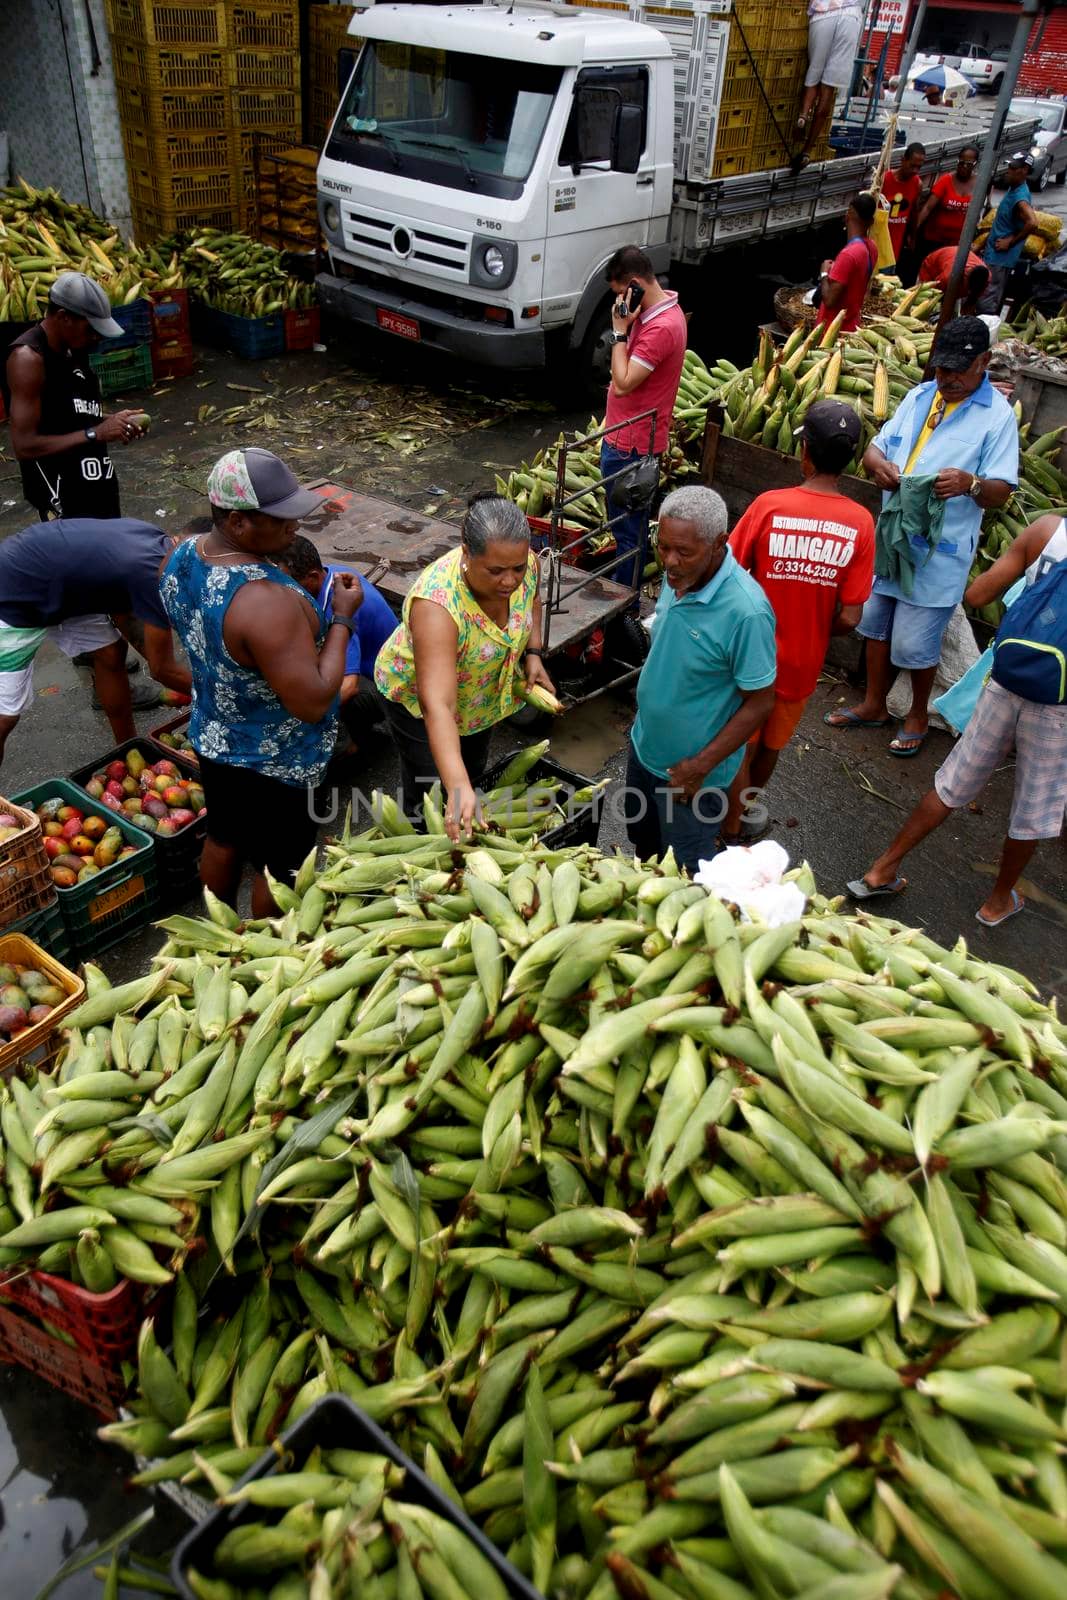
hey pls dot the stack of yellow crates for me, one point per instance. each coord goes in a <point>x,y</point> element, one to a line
<point>203,87</point>
<point>765,68</point>
<point>327,34</point>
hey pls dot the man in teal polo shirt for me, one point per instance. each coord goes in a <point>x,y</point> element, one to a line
<point>706,686</point>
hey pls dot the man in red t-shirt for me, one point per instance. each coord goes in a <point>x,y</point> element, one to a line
<point>649,334</point>
<point>811,550</point>
<point>937,268</point>
<point>846,279</point>
<point>902,189</point>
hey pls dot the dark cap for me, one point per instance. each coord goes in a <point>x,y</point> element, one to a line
<point>1021,158</point>
<point>830,419</point>
<point>73,291</point>
<point>256,480</point>
<point>960,342</point>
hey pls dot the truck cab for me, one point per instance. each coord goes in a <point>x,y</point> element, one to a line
<point>482,168</point>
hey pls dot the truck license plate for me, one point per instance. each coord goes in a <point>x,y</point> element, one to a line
<point>393,322</point>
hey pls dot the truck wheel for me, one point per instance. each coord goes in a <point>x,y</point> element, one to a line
<point>1042,182</point>
<point>1061,177</point>
<point>994,86</point>
<point>594,355</point>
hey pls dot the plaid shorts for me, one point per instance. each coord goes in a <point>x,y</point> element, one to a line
<point>1038,733</point>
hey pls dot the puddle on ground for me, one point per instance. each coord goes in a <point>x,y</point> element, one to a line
<point>589,735</point>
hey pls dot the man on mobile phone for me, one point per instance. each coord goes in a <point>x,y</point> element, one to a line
<point>649,334</point>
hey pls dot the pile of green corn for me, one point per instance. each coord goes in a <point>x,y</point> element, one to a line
<point>234,273</point>
<point>43,235</point>
<point>694,1257</point>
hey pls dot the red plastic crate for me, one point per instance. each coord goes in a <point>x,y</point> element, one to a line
<point>172,358</point>
<point>23,1344</point>
<point>170,315</point>
<point>103,1326</point>
<point>302,329</point>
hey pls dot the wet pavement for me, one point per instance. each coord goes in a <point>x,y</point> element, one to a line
<point>396,425</point>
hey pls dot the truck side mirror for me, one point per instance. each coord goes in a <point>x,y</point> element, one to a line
<point>627,129</point>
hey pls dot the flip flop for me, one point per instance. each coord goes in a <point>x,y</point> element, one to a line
<point>860,889</point>
<point>1017,904</point>
<point>849,720</point>
<point>907,745</point>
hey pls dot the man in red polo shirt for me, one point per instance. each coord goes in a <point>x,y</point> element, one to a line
<point>649,337</point>
<point>846,279</point>
<point>811,550</point>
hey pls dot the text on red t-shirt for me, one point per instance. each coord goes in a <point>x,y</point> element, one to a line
<point>808,552</point>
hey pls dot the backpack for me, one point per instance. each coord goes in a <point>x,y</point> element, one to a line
<point>1030,649</point>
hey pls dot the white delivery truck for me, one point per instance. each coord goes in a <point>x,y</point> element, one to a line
<point>486,161</point>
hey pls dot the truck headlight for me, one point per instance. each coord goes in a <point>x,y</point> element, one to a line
<point>493,261</point>
<point>331,216</point>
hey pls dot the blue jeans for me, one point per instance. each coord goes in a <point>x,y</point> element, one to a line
<point>631,530</point>
<point>657,819</point>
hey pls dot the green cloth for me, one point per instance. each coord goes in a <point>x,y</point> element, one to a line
<point>911,518</point>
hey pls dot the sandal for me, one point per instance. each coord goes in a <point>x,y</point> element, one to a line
<point>1017,904</point>
<point>860,889</point>
<point>849,719</point>
<point>907,745</point>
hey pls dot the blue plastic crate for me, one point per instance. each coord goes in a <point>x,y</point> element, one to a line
<point>136,319</point>
<point>251,338</point>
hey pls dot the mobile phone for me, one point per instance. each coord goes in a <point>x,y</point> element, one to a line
<point>634,295</point>
<point>627,303</point>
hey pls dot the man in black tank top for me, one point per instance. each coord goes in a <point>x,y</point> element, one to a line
<point>58,430</point>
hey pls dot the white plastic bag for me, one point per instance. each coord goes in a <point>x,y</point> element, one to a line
<point>751,876</point>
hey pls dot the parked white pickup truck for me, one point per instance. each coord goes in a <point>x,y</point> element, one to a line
<point>984,68</point>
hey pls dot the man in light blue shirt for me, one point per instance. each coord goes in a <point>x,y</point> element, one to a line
<point>1014,222</point>
<point>961,432</point>
<point>706,686</point>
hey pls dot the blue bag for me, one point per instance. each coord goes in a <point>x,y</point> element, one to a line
<point>957,703</point>
<point>1030,649</point>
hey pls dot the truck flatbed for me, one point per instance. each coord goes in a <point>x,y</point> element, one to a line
<point>394,543</point>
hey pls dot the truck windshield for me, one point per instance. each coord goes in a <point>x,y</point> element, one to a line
<point>446,117</point>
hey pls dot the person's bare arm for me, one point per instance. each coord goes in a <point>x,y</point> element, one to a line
<point>756,706</point>
<point>270,628</point>
<point>535,666</point>
<point>833,292</point>
<point>25,375</point>
<point>626,375</point>
<point>952,481</point>
<point>845,619</point>
<point>992,583</point>
<point>157,647</point>
<point>880,469</point>
<point>349,687</point>
<point>435,645</point>
<point>926,211</point>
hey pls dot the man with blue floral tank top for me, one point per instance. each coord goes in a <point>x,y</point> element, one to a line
<point>266,673</point>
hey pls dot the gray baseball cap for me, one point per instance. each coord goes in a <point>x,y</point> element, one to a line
<point>256,480</point>
<point>73,291</point>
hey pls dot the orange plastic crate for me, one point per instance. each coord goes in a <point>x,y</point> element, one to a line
<point>265,24</point>
<point>145,66</point>
<point>168,22</point>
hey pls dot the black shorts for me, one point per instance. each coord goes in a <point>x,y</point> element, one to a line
<point>269,823</point>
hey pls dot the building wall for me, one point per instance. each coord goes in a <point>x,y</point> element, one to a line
<point>1044,69</point>
<point>57,103</point>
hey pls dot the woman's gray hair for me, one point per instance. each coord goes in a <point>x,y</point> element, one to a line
<point>702,508</point>
<point>490,519</point>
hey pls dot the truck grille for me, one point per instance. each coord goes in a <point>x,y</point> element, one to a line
<point>386,237</point>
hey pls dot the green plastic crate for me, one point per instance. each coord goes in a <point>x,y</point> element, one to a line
<point>120,898</point>
<point>120,370</point>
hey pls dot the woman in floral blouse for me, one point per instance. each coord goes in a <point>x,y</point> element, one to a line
<point>469,640</point>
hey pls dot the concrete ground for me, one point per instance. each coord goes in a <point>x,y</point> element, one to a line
<point>419,432</point>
